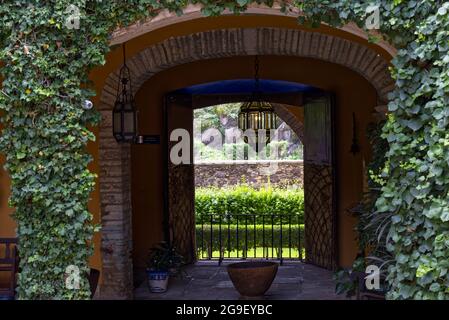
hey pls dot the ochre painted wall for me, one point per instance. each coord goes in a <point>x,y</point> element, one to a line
<point>353,93</point>
<point>7,225</point>
<point>146,157</point>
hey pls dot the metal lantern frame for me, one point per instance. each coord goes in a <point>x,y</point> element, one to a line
<point>256,113</point>
<point>124,120</point>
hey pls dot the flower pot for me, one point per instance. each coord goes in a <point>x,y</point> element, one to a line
<point>252,278</point>
<point>158,281</point>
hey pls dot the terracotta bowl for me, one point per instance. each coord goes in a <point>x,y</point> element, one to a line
<point>252,278</point>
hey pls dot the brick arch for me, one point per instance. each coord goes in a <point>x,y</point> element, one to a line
<point>290,119</point>
<point>115,168</point>
<point>166,18</point>
<point>221,43</point>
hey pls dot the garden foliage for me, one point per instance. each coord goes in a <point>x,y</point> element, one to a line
<point>243,201</point>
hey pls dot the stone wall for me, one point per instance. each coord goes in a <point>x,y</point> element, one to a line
<point>116,209</point>
<point>228,173</point>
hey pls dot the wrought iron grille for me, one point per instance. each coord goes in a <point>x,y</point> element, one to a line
<point>245,236</point>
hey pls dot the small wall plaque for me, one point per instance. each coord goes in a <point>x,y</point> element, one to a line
<point>148,139</point>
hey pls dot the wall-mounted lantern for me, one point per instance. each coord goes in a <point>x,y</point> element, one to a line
<point>124,114</point>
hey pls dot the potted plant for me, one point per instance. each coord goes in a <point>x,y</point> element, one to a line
<point>163,260</point>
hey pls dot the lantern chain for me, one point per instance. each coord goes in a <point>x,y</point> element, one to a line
<point>256,73</point>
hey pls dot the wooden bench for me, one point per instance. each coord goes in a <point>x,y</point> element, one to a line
<point>9,265</point>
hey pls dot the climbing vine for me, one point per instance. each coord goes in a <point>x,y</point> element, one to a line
<point>45,70</point>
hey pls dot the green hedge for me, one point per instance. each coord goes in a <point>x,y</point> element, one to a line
<point>205,243</point>
<point>244,199</point>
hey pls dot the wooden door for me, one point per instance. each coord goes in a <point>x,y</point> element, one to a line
<point>319,182</point>
<point>180,185</point>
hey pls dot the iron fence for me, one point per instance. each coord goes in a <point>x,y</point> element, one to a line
<point>244,236</point>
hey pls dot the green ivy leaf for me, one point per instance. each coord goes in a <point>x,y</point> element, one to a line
<point>435,287</point>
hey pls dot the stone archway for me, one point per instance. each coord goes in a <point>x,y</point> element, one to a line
<point>115,171</point>
<point>166,18</point>
<point>290,119</point>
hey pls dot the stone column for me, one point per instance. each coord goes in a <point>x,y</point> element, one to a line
<point>116,214</point>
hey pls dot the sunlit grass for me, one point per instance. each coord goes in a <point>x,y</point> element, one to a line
<point>259,253</point>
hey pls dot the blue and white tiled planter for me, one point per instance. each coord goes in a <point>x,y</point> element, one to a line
<point>158,281</point>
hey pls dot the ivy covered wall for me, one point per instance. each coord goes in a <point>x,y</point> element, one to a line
<point>46,63</point>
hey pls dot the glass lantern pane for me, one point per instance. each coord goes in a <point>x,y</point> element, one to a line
<point>128,105</point>
<point>117,122</point>
<point>269,122</point>
<point>262,120</point>
<point>242,121</point>
<point>253,120</point>
<point>129,125</point>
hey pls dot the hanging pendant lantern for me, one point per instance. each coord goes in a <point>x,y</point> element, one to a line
<point>124,113</point>
<point>257,114</point>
